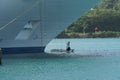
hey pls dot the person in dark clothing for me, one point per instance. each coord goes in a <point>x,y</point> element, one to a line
<point>68,46</point>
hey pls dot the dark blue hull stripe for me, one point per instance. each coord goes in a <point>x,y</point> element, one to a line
<point>15,50</point>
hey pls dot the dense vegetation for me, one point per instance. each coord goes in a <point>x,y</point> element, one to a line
<point>105,16</point>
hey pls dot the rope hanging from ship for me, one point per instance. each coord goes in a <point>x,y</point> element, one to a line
<point>20,15</point>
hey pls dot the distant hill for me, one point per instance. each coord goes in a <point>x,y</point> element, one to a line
<point>105,16</point>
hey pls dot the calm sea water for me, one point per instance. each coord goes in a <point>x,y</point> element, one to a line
<point>94,59</point>
<point>97,46</point>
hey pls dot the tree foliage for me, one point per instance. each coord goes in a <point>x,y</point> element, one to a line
<point>105,16</point>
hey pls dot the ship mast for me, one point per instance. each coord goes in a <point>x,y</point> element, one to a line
<point>41,23</point>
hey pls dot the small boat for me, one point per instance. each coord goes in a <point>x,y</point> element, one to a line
<point>61,51</point>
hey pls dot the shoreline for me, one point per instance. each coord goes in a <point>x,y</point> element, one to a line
<point>103,34</point>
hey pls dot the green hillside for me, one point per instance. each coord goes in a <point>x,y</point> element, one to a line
<point>105,16</point>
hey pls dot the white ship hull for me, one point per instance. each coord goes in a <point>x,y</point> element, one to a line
<point>47,17</point>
